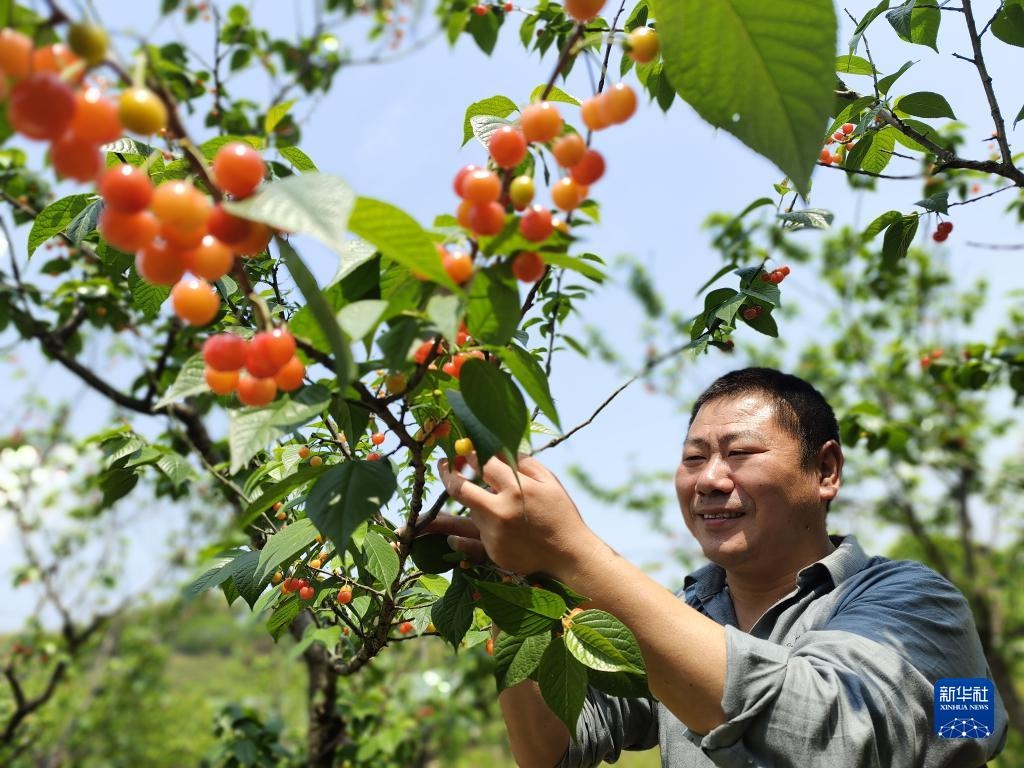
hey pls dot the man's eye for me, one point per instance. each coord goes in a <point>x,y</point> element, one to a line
<point>692,459</point>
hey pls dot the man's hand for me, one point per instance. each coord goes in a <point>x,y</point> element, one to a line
<point>525,521</point>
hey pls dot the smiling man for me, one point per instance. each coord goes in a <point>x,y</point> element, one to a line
<point>790,648</point>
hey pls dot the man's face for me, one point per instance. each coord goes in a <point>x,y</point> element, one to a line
<point>738,462</point>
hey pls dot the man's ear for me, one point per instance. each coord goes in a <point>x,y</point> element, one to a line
<point>830,470</point>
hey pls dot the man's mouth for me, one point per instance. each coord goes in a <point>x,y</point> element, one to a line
<point>719,515</point>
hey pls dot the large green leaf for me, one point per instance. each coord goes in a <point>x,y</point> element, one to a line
<point>279,491</point>
<point>516,658</point>
<point>495,399</point>
<point>485,442</point>
<point>898,238</point>
<point>252,429</point>
<point>381,559</point>
<point>492,309</point>
<point>602,642</point>
<point>563,681</point>
<point>915,24</point>
<point>55,218</point>
<point>284,546</point>
<point>554,94</point>
<point>146,297</point>
<point>275,115</point>
<point>520,610</point>
<point>1008,25</point>
<point>347,495</point>
<point>925,104</point>
<point>217,573</point>
<point>396,234</point>
<point>500,106</point>
<point>189,381</point>
<point>299,159</point>
<point>764,71</point>
<point>247,584</point>
<point>315,204</point>
<point>527,371</point>
<point>283,616</point>
<point>452,614</point>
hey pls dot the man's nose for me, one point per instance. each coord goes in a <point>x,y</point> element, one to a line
<point>714,477</point>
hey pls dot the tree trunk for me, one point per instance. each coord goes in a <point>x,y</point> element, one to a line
<point>326,730</point>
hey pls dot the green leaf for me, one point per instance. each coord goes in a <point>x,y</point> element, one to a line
<point>898,238</point>
<point>1019,117</point>
<point>249,587</point>
<point>555,94</point>
<point>84,223</point>
<point>854,65</point>
<point>602,642</point>
<point>492,308</point>
<point>275,115</point>
<point>446,312</point>
<point>344,366</point>
<point>874,151</point>
<point>299,159</point>
<point>562,679</point>
<point>885,83</point>
<point>189,381</point>
<point>315,204</point>
<point>278,491</point>
<point>484,30</point>
<point>284,546</point>
<point>882,222</point>
<point>484,126</point>
<point>937,203</point>
<point>809,218</point>
<point>520,610</point>
<point>485,443</point>
<point>360,317</point>
<point>452,614</point>
<point>1008,25</point>
<point>146,297</point>
<point>516,658</point>
<point>381,559</point>
<point>865,22</point>
<point>850,113</point>
<point>282,618</point>
<point>916,25</point>
<point>498,106</point>
<point>176,468</point>
<point>397,235</point>
<point>527,371</point>
<point>495,400</point>
<point>55,218</point>
<point>217,574</point>
<point>252,429</point>
<point>348,495</point>
<point>925,104</point>
<point>762,71</point>
<point>583,266</point>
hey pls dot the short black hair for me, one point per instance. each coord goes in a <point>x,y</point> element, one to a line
<point>800,409</point>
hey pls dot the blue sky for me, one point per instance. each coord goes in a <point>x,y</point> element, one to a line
<point>393,131</point>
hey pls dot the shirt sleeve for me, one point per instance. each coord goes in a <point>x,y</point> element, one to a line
<point>607,726</point>
<point>858,690</point>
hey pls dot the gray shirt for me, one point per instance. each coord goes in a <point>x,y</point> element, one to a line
<point>840,672</point>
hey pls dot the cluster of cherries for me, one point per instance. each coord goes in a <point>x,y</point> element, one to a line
<point>842,137</point>
<point>942,231</point>
<point>253,369</point>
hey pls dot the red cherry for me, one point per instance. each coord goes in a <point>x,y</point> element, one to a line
<point>41,106</point>
<point>126,188</point>
<point>290,377</point>
<point>507,146</point>
<point>238,169</point>
<point>307,593</point>
<point>229,229</point>
<point>589,169</point>
<point>536,224</point>
<point>225,352</point>
<point>528,267</point>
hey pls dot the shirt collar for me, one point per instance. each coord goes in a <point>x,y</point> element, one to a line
<point>843,562</point>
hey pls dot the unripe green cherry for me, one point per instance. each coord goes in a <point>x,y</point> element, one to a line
<point>521,192</point>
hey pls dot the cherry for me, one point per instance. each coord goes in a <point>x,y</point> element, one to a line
<point>225,352</point>
<point>480,9</point>
<point>53,59</point>
<point>256,241</point>
<point>238,169</point>
<point>88,42</point>
<point>825,156</point>
<point>15,53</point>
<point>489,646</point>
<point>316,461</point>
<point>461,175</point>
<point>507,147</point>
<point>128,231</point>
<point>567,194</point>
<point>939,236</point>
<point>589,169</point>
<point>541,122</point>
<point>290,377</point>
<point>945,227</point>
<point>227,228</point>
<point>583,10</point>
<point>373,456</point>
<point>210,260</point>
<point>423,351</point>
<point>195,301</point>
<point>535,225</point>
<point>183,240</point>
<point>277,578</point>
<point>618,103</point>
<point>307,593</point>
<point>480,187</point>
<point>255,392</point>
<point>95,118</point>
<point>458,265</point>
<point>462,214</point>
<point>847,128</point>
<point>159,264</point>
<point>487,219</point>
<point>41,106</point>
<point>377,438</point>
<point>440,430</point>
<point>569,150</point>
<point>73,158</point>
<point>463,446</point>
<point>528,267</point>
<point>304,452</point>
<point>221,382</point>
<point>269,351</point>
<point>462,336</point>
<point>593,114</point>
<point>405,627</point>
<point>345,595</point>
<point>396,383</point>
<point>180,205</point>
<point>521,191</point>
<point>126,188</point>
<point>141,111</point>
<point>837,159</point>
<point>752,313</point>
<point>315,563</point>
<point>642,45</point>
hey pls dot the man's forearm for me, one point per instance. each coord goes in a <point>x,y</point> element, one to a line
<point>537,737</point>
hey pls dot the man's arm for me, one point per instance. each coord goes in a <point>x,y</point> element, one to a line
<point>537,737</point>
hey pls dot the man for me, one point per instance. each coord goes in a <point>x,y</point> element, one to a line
<point>792,648</point>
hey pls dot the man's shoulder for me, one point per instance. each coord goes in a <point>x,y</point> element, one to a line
<point>908,582</point>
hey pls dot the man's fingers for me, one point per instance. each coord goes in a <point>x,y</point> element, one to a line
<point>461,489</point>
<point>533,469</point>
<point>454,525</point>
<point>472,549</point>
